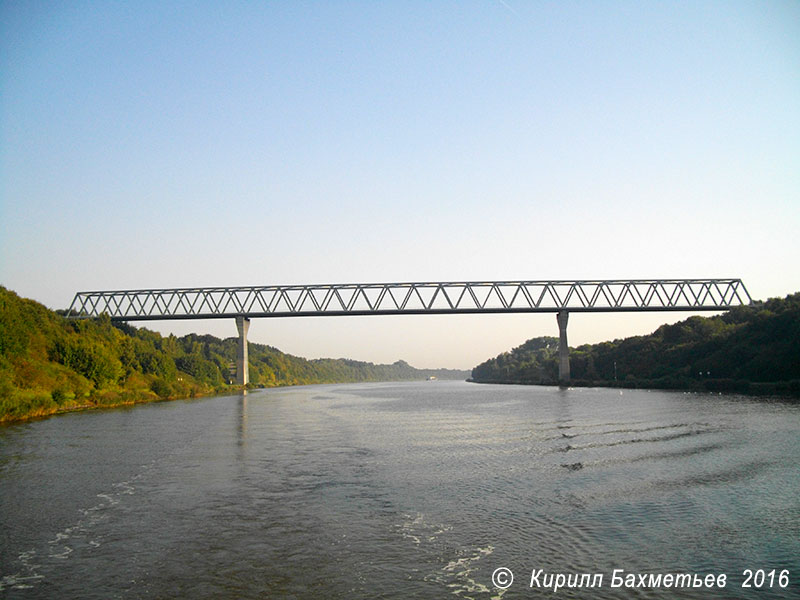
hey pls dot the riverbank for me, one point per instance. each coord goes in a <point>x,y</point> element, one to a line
<point>752,349</point>
<point>42,405</point>
<point>782,389</point>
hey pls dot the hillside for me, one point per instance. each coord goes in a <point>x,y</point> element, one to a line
<point>750,349</point>
<point>49,363</point>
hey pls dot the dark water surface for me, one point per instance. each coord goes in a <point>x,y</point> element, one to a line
<point>412,490</point>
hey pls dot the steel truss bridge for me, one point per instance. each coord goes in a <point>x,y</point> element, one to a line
<point>557,296</point>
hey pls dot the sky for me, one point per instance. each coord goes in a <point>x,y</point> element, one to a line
<point>181,144</point>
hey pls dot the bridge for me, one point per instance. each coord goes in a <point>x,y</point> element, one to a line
<point>556,296</point>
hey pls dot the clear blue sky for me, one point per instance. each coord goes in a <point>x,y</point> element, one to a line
<point>168,144</point>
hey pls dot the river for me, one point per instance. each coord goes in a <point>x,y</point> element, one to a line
<point>403,490</point>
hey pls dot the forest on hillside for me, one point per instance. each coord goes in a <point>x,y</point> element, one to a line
<point>749,349</point>
<point>49,363</point>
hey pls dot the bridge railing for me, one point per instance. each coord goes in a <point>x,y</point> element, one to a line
<point>414,298</point>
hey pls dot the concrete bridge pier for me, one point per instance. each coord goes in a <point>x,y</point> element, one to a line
<point>242,370</point>
<point>563,349</point>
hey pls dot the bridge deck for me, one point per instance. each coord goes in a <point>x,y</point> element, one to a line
<point>414,298</point>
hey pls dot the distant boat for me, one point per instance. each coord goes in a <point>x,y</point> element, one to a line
<point>432,378</point>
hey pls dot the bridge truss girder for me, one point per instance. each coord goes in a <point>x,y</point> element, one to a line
<point>414,298</point>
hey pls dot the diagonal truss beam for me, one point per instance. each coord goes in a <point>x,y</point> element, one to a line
<point>414,298</point>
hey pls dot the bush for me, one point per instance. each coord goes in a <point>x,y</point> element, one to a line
<point>59,396</point>
<point>161,388</point>
<point>89,359</point>
<point>200,368</point>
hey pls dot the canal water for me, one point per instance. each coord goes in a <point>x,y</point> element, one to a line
<point>403,490</point>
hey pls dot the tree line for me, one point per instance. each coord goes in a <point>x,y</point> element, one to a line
<point>749,349</point>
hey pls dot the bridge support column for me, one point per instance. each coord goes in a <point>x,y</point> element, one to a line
<point>242,371</point>
<point>563,349</point>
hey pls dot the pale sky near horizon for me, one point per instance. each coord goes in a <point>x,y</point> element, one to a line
<point>175,144</point>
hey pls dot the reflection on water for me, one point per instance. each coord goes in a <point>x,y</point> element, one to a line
<point>242,417</point>
<point>413,490</point>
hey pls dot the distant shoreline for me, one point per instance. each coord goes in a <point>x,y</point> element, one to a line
<point>780,389</point>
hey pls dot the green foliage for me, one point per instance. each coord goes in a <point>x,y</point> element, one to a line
<point>88,358</point>
<point>49,363</point>
<point>752,348</point>
<point>154,361</point>
<point>535,361</point>
<point>161,388</point>
<point>200,368</point>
